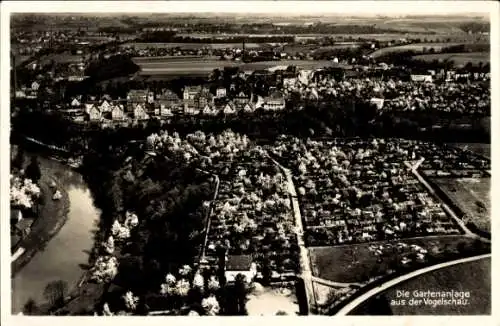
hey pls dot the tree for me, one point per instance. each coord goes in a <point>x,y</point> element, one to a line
<point>55,292</point>
<point>30,307</point>
<point>33,171</point>
<point>19,159</point>
<point>240,291</point>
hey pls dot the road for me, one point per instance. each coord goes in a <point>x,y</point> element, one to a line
<point>359,300</point>
<point>305,262</point>
<point>447,208</point>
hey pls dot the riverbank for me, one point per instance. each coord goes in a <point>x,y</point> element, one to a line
<point>52,217</point>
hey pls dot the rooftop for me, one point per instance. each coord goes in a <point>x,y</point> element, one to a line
<point>238,262</point>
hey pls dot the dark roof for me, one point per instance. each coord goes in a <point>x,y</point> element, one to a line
<point>238,262</point>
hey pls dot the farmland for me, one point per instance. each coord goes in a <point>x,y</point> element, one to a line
<point>193,46</point>
<point>474,277</point>
<point>205,66</point>
<point>359,263</point>
<point>411,47</point>
<point>457,58</point>
<point>471,196</point>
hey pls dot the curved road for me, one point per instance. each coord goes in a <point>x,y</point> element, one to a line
<point>359,300</point>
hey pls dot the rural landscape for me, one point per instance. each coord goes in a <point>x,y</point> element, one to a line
<point>217,164</point>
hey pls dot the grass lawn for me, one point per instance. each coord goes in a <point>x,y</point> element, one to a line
<point>474,277</point>
<point>357,263</point>
<point>472,196</point>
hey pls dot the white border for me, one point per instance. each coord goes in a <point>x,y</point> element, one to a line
<point>271,7</point>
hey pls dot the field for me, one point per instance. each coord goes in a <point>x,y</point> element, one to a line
<point>478,148</point>
<point>472,196</point>
<point>457,58</point>
<point>411,47</point>
<point>474,277</point>
<point>194,46</point>
<point>206,66</point>
<point>357,263</point>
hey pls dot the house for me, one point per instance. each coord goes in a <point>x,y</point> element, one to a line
<point>378,102</point>
<point>289,79</point>
<point>209,110</point>
<point>35,85</point>
<point>168,100</point>
<point>274,102</point>
<point>204,97</point>
<point>20,94</point>
<point>75,102</point>
<point>95,114</point>
<point>136,96</point>
<point>240,264</point>
<point>140,112</point>
<point>229,109</point>
<point>117,112</point>
<point>220,92</point>
<point>151,98</point>
<point>88,107</point>
<point>105,106</point>
<point>421,78</point>
<point>190,92</point>
<point>249,107</point>
<point>166,111</point>
<point>242,98</point>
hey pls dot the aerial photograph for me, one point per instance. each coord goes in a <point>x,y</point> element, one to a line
<point>249,163</point>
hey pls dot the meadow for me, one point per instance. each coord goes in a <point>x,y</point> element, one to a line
<point>471,196</point>
<point>358,263</point>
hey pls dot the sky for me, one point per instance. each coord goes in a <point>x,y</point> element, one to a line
<point>357,8</point>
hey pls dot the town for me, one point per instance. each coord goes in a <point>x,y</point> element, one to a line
<point>192,167</point>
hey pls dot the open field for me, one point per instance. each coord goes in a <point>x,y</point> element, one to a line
<point>457,58</point>
<point>205,66</point>
<point>194,46</point>
<point>411,47</point>
<point>472,196</point>
<point>474,277</point>
<point>358,263</point>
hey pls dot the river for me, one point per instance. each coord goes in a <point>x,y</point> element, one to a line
<point>66,254</point>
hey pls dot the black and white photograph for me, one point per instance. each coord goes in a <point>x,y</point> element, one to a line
<point>267,158</point>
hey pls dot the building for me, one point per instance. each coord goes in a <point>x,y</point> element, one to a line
<point>220,92</point>
<point>168,101</point>
<point>140,112</point>
<point>95,114</point>
<point>136,96</point>
<point>242,98</point>
<point>190,92</point>
<point>75,102</point>
<point>275,101</point>
<point>240,264</point>
<point>117,112</point>
<point>35,86</point>
<point>229,109</point>
<point>105,106</point>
